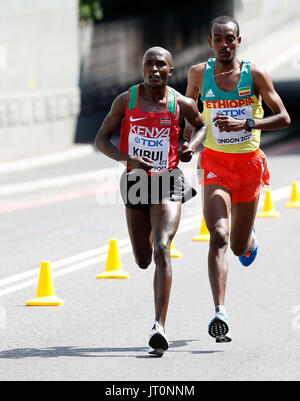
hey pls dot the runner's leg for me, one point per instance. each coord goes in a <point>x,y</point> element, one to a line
<point>217,207</point>
<point>165,219</point>
<point>242,220</point>
<point>139,228</point>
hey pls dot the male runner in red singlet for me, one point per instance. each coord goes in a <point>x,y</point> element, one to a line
<point>153,188</point>
<point>232,168</point>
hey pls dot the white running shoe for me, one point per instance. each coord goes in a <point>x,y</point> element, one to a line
<point>158,342</point>
<point>219,328</point>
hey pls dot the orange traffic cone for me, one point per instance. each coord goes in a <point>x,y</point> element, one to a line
<point>113,264</point>
<point>269,209</point>
<point>204,233</point>
<point>295,198</point>
<point>173,251</point>
<point>45,293</point>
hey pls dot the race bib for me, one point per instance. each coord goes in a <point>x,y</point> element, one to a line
<point>156,149</point>
<point>232,138</point>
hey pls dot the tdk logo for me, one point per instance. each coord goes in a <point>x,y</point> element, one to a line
<point>152,142</point>
<point>235,112</point>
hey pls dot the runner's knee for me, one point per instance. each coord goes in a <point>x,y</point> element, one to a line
<point>219,238</point>
<point>161,252</point>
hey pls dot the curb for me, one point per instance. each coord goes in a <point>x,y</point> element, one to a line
<point>76,151</point>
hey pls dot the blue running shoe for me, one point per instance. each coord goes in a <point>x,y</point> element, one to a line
<point>249,257</point>
<point>219,328</point>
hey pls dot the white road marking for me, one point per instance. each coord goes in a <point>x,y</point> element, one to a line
<point>62,272</point>
<point>39,161</point>
<point>89,258</point>
<point>97,255</point>
<point>56,182</point>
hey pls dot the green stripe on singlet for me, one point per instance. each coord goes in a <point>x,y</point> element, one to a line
<point>172,101</point>
<point>133,97</point>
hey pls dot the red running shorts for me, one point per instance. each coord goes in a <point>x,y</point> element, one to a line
<point>243,174</point>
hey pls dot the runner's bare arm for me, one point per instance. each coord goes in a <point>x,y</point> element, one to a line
<point>110,126</point>
<point>264,85</point>
<point>189,111</point>
<point>194,90</point>
<point>265,88</point>
<point>195,81</point>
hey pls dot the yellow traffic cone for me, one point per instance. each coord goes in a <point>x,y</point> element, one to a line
<point>269,209</point>
<point>173,251</point>
<point>113,264</point>
<point>204,233</point>
<point>45,294</point>
<point>295,198</point>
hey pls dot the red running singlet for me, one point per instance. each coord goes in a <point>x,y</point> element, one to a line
<point>150,134</point>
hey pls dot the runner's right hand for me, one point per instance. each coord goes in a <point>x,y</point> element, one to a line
<point>186,153</point>
<point>140,162</point>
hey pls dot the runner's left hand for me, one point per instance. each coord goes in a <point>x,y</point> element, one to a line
<point>228,124</point>
<point>186,153</point>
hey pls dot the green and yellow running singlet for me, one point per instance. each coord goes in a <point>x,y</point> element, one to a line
<point>240,103</point>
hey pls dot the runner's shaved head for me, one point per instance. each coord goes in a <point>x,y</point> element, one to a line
<point>161,51</point>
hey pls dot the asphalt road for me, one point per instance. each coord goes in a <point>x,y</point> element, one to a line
<point>101,332</point>
<point>67,211</point>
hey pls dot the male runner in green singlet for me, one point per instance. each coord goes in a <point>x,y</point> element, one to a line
<point>232,168</point>
<point>149,115</point>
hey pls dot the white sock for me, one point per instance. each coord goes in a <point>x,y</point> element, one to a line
<point>159,325</point>
<point>221,308</point>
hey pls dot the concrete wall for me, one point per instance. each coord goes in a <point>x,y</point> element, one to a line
<point>260,18</point>
<point>111,55</point>
<point>57,81</point>
<point>39,70</point>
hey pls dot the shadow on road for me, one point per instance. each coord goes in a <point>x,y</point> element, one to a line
<point>55,352</point>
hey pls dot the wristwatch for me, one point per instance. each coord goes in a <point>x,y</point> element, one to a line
<point>250,124</point>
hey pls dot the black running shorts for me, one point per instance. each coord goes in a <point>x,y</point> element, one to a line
<point>139,191</point>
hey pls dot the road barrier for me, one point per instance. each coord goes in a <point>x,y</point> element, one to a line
<point>174,252</point>
<point>204,233</point>
<point>113,264</point>
<point>295,198</point>
<point>45,294</point>
<point>269,209</point>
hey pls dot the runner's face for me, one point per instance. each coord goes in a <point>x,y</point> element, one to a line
<point>224,41</point>
<point>156,69</point>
